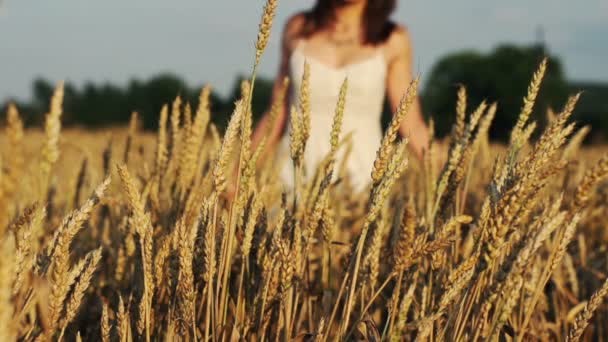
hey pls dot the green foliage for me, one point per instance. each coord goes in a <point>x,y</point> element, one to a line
<point>262,93</point>
<point>106,104</point>
<point>502,74</point>
<point>592,109</point>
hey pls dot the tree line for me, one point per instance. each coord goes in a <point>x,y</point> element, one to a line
<point>501,75</point>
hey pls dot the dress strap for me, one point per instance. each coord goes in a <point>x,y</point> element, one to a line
<point>299,45</point>
<point>381,54</point>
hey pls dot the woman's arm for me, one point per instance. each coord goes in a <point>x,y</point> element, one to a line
<point>290,33</point>
<point>262,129</point>
<point>398,80</point>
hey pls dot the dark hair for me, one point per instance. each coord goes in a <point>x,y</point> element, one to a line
<point>376,24</point>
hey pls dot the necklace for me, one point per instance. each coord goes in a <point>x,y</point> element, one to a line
<point>343,35</point>
<point>342,41</point>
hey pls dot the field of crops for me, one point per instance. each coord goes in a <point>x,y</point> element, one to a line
<point>121,235</point>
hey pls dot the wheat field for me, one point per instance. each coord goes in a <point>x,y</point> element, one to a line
<point>121,235</point>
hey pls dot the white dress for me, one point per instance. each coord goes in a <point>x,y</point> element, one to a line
<point>364,101</point>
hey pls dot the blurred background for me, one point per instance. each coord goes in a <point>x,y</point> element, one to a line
<point>118,56</point>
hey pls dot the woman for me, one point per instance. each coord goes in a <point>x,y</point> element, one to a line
<point>340,39</point>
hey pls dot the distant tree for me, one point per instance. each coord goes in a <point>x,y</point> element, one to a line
<point>42,90</point>
<point>262,94</point>
<point>94,105</point>
<point>502,75</point>
<point>150,98</point>
<point>592,108</point>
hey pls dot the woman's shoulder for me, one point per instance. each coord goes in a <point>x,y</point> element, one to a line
<point>295,24</point>
<point>398,37</point>
<point>293,29</point>
<point>398,41</point>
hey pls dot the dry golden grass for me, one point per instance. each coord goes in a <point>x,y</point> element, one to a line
<point>499,243</point>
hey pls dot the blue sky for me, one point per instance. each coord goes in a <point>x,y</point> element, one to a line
<point>212,40</point>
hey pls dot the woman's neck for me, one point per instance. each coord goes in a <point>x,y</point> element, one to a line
<point>349,15</point>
